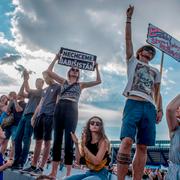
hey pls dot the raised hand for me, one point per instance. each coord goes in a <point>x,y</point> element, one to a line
<point>129,11</point>
<point>26,75</point>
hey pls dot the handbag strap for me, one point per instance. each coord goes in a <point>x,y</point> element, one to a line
<point>69,87</point>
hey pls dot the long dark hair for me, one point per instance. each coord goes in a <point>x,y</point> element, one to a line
<point>87,131</point>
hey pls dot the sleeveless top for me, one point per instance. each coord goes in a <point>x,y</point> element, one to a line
<point>72,93</point>
<point>93,148</point>
<point>174,151</point>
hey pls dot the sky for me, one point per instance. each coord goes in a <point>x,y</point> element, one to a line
<point>32,32</point>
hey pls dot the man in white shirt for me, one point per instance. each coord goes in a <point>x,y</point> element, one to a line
<point>142,110</point>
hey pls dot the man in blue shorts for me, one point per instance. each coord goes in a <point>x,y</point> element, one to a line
<point>142,110</point>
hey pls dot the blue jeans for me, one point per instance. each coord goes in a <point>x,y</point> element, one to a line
<point>23,134</point>
<point>10,132</point>
<point>91,175</point>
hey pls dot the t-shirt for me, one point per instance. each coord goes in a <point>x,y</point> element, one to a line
<point>34,98</point>
<point>50,95</point>
<point>18,115</point>
<point>141,79</point>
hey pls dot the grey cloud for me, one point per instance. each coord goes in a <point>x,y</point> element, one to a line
<point>9,59</point>
<point>6,80</point>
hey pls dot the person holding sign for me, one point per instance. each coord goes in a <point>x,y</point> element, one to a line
<point>66,113</point>
<point>140,113</point>
<point>173,120</point>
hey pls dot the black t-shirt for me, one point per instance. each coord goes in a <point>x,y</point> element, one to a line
<point>18,115</point>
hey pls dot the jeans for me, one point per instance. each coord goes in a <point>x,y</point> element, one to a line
<point>23,135</point>
<point>91,175</point>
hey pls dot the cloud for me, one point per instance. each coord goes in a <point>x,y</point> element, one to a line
<point>110,117</point>
<point>9,59</point>
<point>6,80</point>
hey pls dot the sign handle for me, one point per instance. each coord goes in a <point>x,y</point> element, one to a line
<point>161,69</point>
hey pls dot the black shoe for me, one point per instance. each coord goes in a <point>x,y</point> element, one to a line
<point>37,172</point>
<point>17,167</point>
<point>28,170</point>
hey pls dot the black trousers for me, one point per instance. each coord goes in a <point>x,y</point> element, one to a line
<point>65,121</point>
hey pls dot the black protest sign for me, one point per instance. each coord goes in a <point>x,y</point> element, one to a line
<point>77,59</point>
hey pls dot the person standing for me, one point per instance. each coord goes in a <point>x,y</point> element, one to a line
<point>140,113</point>
<point>173,121</point>
<point>66,113</point>
<point>42,121</point>
<point>24,129</point>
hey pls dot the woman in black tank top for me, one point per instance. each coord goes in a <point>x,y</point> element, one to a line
<point>66,113</point>
<point>93,150</point>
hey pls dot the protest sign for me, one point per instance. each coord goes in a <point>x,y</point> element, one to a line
<point>77,59</point>
<point>164,42</point>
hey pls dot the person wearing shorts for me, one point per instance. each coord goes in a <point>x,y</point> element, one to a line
<point>143,108</point>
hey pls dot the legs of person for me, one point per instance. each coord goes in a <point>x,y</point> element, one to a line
<point>12,149</point>
<point>47,136</point>
<point>139,161</point>
<point>26,138</point>
<point>71,119</point>
<point>38,135</point>
<point>123,157</point>
<point>131,115</point>
<point>37,151</point>
<point>58,136</point>
<point>47,145</point>
<point>145,137</point>
<point>18,141</point>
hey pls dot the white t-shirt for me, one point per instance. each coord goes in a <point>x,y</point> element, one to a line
<point>141,79</point>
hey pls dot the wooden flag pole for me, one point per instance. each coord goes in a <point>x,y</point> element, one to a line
<point>161,69</point>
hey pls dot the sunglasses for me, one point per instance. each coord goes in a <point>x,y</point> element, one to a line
<point>74,70</point>
<point>97,123</point>
<point>148,50</point>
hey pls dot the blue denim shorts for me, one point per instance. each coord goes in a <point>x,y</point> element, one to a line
<point>139,122</point>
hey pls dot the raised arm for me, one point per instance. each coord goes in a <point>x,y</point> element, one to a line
<point>171,113</point>
<point>52,74</point>
<point>21,92</point>
<point>26,79</point>
<point>100,154</point>
<point>128,33</point>
<point>92,83</point>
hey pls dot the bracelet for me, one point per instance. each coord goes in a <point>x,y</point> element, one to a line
<point>128,22</point>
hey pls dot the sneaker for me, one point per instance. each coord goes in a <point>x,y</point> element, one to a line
<point>28,170</point>
<point>37,172</point>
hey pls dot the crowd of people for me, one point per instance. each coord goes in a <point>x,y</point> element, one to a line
<point>55,109</point>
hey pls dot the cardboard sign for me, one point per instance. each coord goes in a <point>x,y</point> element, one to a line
<point>77,59</point>
<point>163,41</point>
